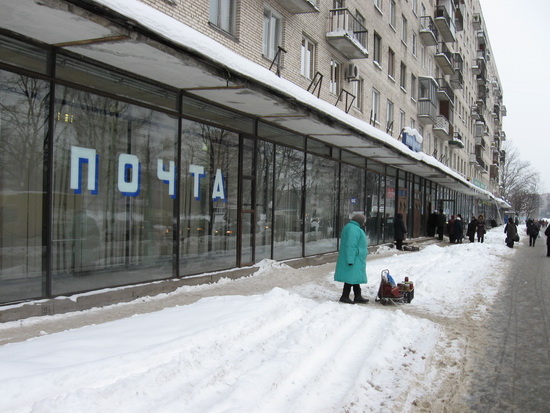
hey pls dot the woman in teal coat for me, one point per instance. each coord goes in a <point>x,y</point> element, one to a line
<point>351,267</point>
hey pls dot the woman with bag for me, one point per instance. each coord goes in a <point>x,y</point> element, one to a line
<point>511,231</point>
<point>481,229</point>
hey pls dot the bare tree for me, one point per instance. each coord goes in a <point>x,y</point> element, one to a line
<point>520,182</point>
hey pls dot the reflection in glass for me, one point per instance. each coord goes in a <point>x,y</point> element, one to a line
<point>321,205</point>
<point>110,237</point>
<point>23,128</point>
<point>264,199</point>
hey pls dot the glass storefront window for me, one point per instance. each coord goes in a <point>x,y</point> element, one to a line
<point>113,195</point>
<point>288,228</point>
<point>374,207</point>
<point>352,194</point>
<point>208,209</point>
<point>264,199</point>
<point>321,212</point>
<point>23,129</point>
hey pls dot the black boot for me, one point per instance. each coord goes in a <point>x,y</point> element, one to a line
<point>358,299</point>
<point>345,294</point>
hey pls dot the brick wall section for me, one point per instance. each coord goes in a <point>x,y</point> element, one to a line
<point>248,43</point>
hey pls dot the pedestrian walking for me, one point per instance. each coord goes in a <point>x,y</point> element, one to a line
<point>481,228</point>
<point>441,220</point>
<point>459,229</point>
<point>400,231</point>
<point>511,231</point>
<point>547,233</point>
<point>472,229</point>
<point>351,266</point>
<point>533,230</point>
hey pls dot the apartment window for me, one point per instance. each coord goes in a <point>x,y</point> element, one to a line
<point>338,4</point>
<point>272,32</point>
<point>308,58</point>
<point>401,119</point>
<point>223,14</point>
<point>377,46</point>
<point>375,113</point>
<point>413,123</point>
<point>392,14</point>
<point>403,77</point>
<point>335,77</point>
<point>404,29</point>
<point>413,87</point>
<point>413,41</point>
<point>391,63</point>
<point>389,117</point>
<point>357,91</point>
<point>378,4</point>
<point>415,7</point>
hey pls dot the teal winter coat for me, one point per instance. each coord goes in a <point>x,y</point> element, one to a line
<point>353,250</point>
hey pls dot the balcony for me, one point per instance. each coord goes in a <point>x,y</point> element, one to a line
<point>442,127</point>
<point>480,141</point>
<point>428,31</point>
<point>502,135</point>
<point>347,34</point>
<point>481,130</point>
<point>457,78</point>
<point>444,58</point>
<point>494,171</point>
<point>481,39</point>
<point>444,24</point>
<point>427,111</point>
<point>477,161</point>
<point>456,141</point>
<point>444,91</point>
<point>476,21</point>
<point>503,110</point>
<point>299,6</point>
<point>475,112</point>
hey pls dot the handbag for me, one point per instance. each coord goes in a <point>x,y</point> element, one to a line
<point>516,238</point>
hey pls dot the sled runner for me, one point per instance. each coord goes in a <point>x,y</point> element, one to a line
<point>390,292</point>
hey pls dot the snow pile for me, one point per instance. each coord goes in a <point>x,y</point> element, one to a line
<point>286,350</point>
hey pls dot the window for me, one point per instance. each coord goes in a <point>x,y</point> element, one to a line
<point>403,77</point>
<point>335,76</point>
<point>357,91</point>
<point>404,29</point>
<point>223,14</point>
<point>391,63</point>
<point>415,7</point>
<point>413,87</point>
<point>308,58</point>
<point>401,120</point>
<point>413,41</point>
<point>377,46</point>
<point>375,113</point>
<point>272,33</point>
<point>378,4</point>
<point>389,117</point>
<point>392,13</point>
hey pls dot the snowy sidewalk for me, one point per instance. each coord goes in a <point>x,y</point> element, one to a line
<point>277,341</point>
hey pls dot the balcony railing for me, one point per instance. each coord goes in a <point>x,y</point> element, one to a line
<point>456,140</point>
<point>347,34</point>
<point>427,111</point>
<point>442,127</point>
<point>457,78</point>
<point>444,58</point>
<point>444,91</point>
<point>428,31</point>
<point>299,6</point>
<point>445,24</point>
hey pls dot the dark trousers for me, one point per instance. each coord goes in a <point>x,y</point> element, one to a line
<point>399,244</point>
<point>548,250</point>
<point>347,290</point>
<point>532,239</point>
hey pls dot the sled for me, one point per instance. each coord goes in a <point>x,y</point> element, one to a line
<point>392,293</point>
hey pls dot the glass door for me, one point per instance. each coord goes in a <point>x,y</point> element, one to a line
<point>247,200</point>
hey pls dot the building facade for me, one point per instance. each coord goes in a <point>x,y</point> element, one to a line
<point>148,140</point>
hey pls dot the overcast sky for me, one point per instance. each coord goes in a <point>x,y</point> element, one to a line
<point>519,34</point>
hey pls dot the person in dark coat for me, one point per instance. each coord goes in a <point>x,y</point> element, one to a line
<point>547,233</point>
<point>533,230</point>
<point>472,229</point>
<point>400,231</point>
<point>441,219</point>
<point>451,229</point>
<point>432,224</point>
<point>459,229</point>
<point>481,228</point>
<point>351,266</point>
<point>511,231</point>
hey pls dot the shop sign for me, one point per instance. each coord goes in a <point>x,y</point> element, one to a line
<point>129,175</point>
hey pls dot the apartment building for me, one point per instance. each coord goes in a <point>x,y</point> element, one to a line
<point>159,139</point>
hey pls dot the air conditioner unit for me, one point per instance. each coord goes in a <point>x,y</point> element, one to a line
<point>353,72</point>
